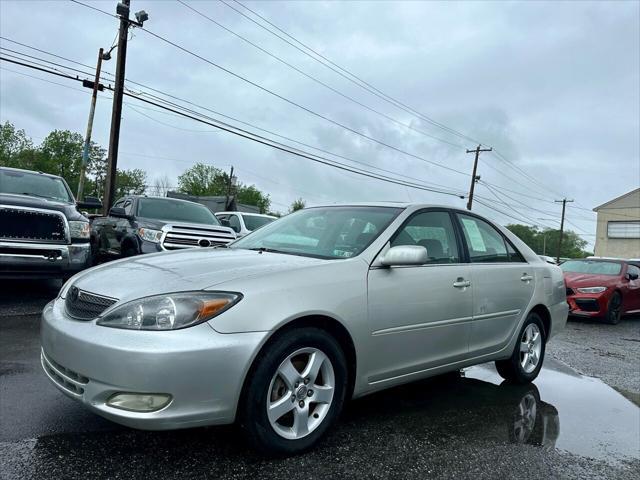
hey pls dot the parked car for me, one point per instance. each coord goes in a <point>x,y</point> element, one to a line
<point>244,223</point>
<point>281,328</point>
<point>139,224</point>
<point>602,288</point>
<point>42,232</point>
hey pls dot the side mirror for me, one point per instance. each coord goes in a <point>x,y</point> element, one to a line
<point>405,255</point>
<point>632,276</point>
<point>118,212</point>
<point>90,203</point>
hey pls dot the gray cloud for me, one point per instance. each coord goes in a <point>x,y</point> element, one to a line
<point>554,86</point>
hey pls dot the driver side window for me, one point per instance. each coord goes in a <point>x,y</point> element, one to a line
<point>435,232</point>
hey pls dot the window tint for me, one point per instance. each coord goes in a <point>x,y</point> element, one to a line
<point>119,203</point>
<point>253,222</point>
<point>434,231</point>
<point>485,243</point>
<point>34,184</point>
<point>128,207</point>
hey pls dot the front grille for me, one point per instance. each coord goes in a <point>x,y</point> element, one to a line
<point>182,236</point>
<point>569,292</point>
<point>85,305</point>
<point>67,379</point>
<point>587,304</point>
<point>32,225</point>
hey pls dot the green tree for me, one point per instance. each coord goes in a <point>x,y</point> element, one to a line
<point>203,180</point>
<point>130,182</point>
<point>16,149</point>
<point>250,195</point>
<point>546,241</point>
<point>297,205</point>
<point>61,154</point>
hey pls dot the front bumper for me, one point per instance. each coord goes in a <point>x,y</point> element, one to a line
<point>588,304</point>
<point>42,260</point>
<point>201,369</point>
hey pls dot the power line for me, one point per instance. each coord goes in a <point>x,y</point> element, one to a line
<point>339,70</point>
<point>320,82</point>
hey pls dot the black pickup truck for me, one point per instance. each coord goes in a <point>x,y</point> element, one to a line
<point>42,232</point>
<point>139,224</point>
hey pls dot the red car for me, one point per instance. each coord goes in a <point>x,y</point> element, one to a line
<point>605,289</point>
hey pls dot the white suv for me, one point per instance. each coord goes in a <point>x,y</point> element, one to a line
<point>244,223</point>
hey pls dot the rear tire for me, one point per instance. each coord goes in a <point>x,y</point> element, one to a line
<point>528,355</point>
<point>277,409</point>
<point>614,309</point>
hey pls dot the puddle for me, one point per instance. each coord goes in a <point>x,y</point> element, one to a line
<point>593,420</point>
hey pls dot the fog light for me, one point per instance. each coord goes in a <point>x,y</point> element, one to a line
<point>139,402</point>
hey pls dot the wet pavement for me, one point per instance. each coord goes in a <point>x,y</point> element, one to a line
<point>463,426</point>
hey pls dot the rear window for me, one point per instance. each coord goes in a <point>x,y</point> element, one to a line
<point>597,268</point>
<point>253,222</point>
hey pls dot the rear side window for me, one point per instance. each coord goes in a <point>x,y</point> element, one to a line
<point>484,242</point>
<point>434,231</point>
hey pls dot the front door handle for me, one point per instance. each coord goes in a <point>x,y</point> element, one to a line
<point>526,277</point>
<point>461,283</point>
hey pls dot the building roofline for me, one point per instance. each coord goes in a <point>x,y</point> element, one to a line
<point>595,209</point>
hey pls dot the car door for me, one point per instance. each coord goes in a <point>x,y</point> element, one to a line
<point>108,242</point>
<point>419,316</point>
<point>503,285</point>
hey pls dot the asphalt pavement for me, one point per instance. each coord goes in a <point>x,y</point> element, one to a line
<point>567,425</point>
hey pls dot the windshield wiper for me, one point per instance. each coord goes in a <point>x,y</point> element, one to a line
<point>269,250</point>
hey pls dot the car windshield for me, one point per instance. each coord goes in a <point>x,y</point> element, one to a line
<point>588,266</point>
<point>323,232</point>
<point>35,185</point>
<point>175,211</point>
<point>254,222</point>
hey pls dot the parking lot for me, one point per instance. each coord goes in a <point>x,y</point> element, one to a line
<point>467,426</point>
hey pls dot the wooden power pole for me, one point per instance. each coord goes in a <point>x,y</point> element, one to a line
<point>87,138</point>
<point>116,112</point>
<point>564,202</point>
<point>475,178</point>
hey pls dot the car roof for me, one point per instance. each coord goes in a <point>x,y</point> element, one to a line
<point>236,212</point>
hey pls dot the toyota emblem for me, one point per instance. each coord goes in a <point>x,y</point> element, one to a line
<point>203,242</point>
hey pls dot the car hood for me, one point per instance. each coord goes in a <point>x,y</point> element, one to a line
<point>190,269</point>
<point>575,280</point>
<point>68,209</point>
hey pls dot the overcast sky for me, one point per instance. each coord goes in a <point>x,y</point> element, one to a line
<point>554,87</point>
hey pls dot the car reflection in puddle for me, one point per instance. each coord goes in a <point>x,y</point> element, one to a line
<point>562,410</point>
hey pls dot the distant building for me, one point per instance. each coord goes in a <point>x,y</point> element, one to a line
<point>618,231</point>
<point>217,203</point>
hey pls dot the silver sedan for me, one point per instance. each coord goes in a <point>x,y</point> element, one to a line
<point>281,328</point>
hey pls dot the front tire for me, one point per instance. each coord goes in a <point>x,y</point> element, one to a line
<point>295,391</point>
<point>526,361</point>
<point>614,309</point>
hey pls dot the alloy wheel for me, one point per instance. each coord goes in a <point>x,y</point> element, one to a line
<point>300,393</point>
<point>530,348</point>
<point>525,420</point>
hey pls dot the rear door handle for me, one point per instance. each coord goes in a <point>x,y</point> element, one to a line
<point>526,277</point>
<point>461,283</point>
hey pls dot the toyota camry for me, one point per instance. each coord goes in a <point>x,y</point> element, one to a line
<point>282,327</point>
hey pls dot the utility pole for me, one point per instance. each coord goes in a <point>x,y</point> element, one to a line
<point>87,138</point>
<point>118,90</point>
<point>564,202</point>
<point>475,178</point>
<point>229,183</point>
<point>116,112</point>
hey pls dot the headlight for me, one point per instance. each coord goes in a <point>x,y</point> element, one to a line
<point>79,230</point>
<point>591,289</point>
<point>149,235</point>
<point>171,311</point>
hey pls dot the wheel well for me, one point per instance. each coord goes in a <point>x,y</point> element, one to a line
<point>546,317</point>
<point>330,325</point>
<point>129,242</point>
